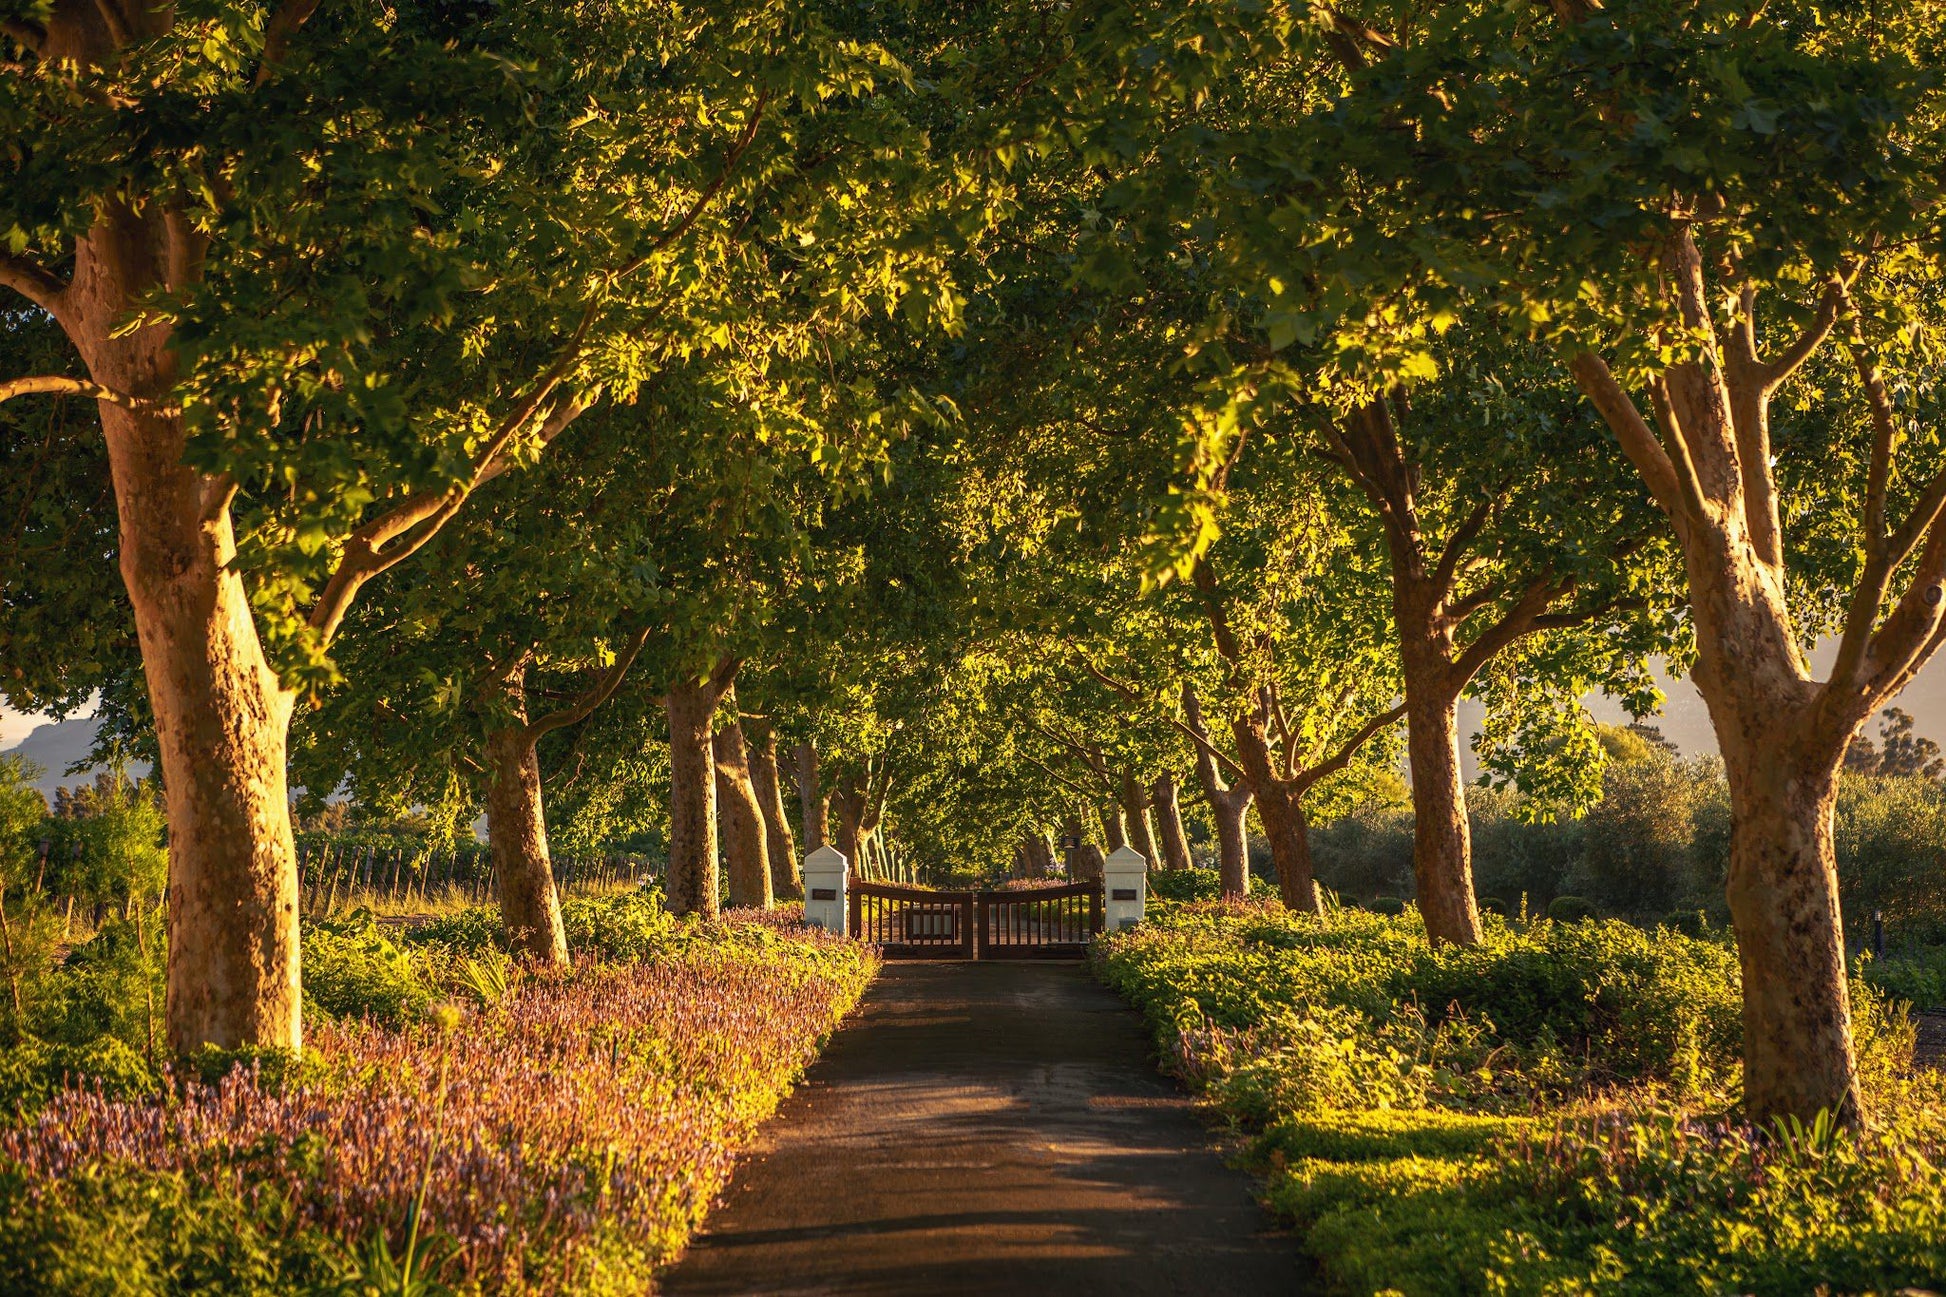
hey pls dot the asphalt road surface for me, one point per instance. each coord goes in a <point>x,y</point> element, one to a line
<point>988,1128</point>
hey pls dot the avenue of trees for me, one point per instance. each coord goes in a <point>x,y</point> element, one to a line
<point>991,435</point>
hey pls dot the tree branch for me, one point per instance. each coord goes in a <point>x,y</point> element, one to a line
<point>1639,442</point>
<point>32,281</point>
<point>1521,619</point>
<point>1466,605</point>
<point>1343,756</point>
<point>28,33</point>
<point>1204,576</point>
<point>1058,777</point>
<point>1885,437</point>
<point>1199,734</point>
<point>112,19</point>
<point>362,558</point>
<point>600,693</point>
<point>1447,567</point>
<point>1274,700</point>
<point>1787,362</point>
<point>421,516</point>
<point>60,385</point>
<point>283,24</point>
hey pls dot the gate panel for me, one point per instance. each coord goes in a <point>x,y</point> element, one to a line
<point>1039,922</point>
<point>913,922</point>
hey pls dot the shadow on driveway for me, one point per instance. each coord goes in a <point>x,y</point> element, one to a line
<point>988,1128</point>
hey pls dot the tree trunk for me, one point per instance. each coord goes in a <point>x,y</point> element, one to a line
<point>1173,841</point>
<point>1036,858</point>
<point>1112,827</point>
<point>1782,743</point>
<point>850,797</point>
<point>745,845</point>
<point>1783,890</point>
<point>530,906</point>
<point>1090,864</point>
<point>1135,810</point>
<point>1073,861</point>
<point>222,717</point>
<point>692,884</point>
<point>222,720</point>
<point>1228,807</point>
<point>1280,805</point>
<point>812,799</point>
<point>1442,841</point>
<point>1281,808</point>
<point>786,879</point>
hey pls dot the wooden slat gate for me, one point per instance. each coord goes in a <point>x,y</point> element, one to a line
<point>1039,922</point>
<point>912,922</point>
<point>920,923</point>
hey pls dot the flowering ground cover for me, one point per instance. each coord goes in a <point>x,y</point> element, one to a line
<point>1552,1112</point>
<point>509,1134</point>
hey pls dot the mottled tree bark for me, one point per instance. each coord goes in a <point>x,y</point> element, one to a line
<point>812,799</point>
<point>222,717</point>
<point>786,878</point>
<point>1229,806</point>
<point>1442,839</point>
<point>1172,839</point>
<point>1090,864</point>
<point>1114,830</point>
<point>860,802</point>
<point>1280,807</point>
<point>691,706</point>
<point>746,847</point>
<point>530,905</point>
<point>1134,797</point>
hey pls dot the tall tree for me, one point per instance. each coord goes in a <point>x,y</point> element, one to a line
<point>327,273</point>
<point>1702,210</point>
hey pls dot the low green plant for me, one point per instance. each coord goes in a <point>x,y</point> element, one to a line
<point>1185,884</point>
<point>354,969</point>
<point>1550,1112</point>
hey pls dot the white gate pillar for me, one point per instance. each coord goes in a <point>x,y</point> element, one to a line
<point>825,871</point>
<point>1125,888</point>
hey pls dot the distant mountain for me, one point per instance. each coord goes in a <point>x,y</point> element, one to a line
<point>55,746</point>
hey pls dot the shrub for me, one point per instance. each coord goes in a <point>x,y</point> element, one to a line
<point>1571,909</point>
<point>464,931</point>
<point>1691,923</point>
<point>119,1228</point>
<point>1636,857</point>
<point>1494,905</point>
<point>33,1071</point>
<point>1366,852</point>
<point>1386,905</point>
<point>1539,1114</point>
<point>1185,885</point>
<point>653,1072</point>
<point>628,925</point>
<point>1890,835</point>
<point>1917,976</point>
<point>352,969</point>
